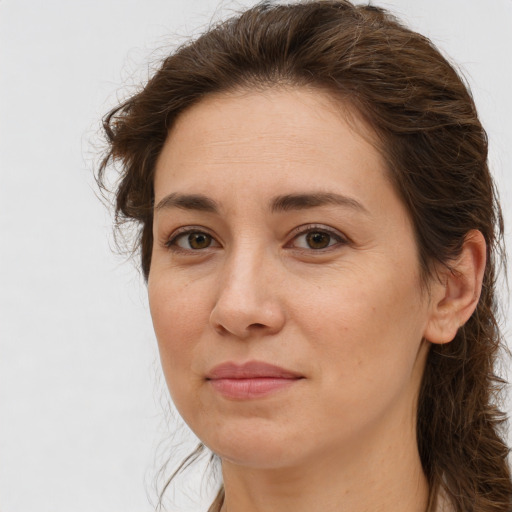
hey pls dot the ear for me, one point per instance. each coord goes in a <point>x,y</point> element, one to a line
<point>454,296</point>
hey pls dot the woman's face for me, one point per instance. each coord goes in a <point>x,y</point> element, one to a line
<point>284,284</point>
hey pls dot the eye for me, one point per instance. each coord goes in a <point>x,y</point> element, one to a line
<point>191,241</point>
<point>317,239</point>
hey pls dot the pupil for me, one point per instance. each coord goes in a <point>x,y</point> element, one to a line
<point>318,240</point>
<point>199,240</point>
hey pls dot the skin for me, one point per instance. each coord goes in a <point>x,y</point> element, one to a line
<point>352,318</point>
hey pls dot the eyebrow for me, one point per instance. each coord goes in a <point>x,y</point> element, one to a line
<point>188,202</point>
<point>289,202</point>
<point>282,203</point>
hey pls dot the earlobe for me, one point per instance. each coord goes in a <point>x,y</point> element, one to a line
<point>454,296</point>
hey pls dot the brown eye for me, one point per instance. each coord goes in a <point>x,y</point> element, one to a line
<point>192,241</point>
<point>315,238</point>
<point>318,240</point>
<point>199,240</point>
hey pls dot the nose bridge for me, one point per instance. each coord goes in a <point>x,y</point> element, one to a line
<point>247,301</point>
<point>243,279</point>
<point>244,265</point>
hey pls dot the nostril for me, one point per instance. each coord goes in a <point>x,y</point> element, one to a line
<point>257,326</point>
<point>245,319</point>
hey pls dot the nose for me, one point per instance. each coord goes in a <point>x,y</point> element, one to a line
<point>248,301</point>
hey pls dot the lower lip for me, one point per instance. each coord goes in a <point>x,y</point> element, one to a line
<point>245,389</point>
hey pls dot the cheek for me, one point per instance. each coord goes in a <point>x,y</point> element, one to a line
<point>367,333</point>
<point>179,319</point>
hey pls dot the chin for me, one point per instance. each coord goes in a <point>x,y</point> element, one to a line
<point>255,447</point>
<point>260,457</point>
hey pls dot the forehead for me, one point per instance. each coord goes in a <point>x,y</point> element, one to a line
<point>279,134</point>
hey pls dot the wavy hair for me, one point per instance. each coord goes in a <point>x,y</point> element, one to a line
<point>435,148</point>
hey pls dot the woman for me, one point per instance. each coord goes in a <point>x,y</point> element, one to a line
<point>320,234</point>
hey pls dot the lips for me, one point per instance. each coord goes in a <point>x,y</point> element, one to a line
<point>254,379</point>
<point>250,370</point>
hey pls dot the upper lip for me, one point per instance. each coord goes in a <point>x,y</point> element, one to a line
<point>250,370</point>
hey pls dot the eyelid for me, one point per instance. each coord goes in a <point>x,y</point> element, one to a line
<point>307,228</point>
<point>169,241</point>
<point>170,244</point>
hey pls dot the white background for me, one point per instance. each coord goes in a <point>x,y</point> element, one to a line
<point>80,386</point>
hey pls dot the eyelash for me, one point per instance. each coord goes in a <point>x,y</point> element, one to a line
<point>338,238</point>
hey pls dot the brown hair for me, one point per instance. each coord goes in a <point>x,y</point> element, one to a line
<point>436,151</point>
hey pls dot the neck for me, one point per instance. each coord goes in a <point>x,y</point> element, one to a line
<point>380,472</point>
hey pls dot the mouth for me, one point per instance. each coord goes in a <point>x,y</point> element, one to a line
<point>251,380</point>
